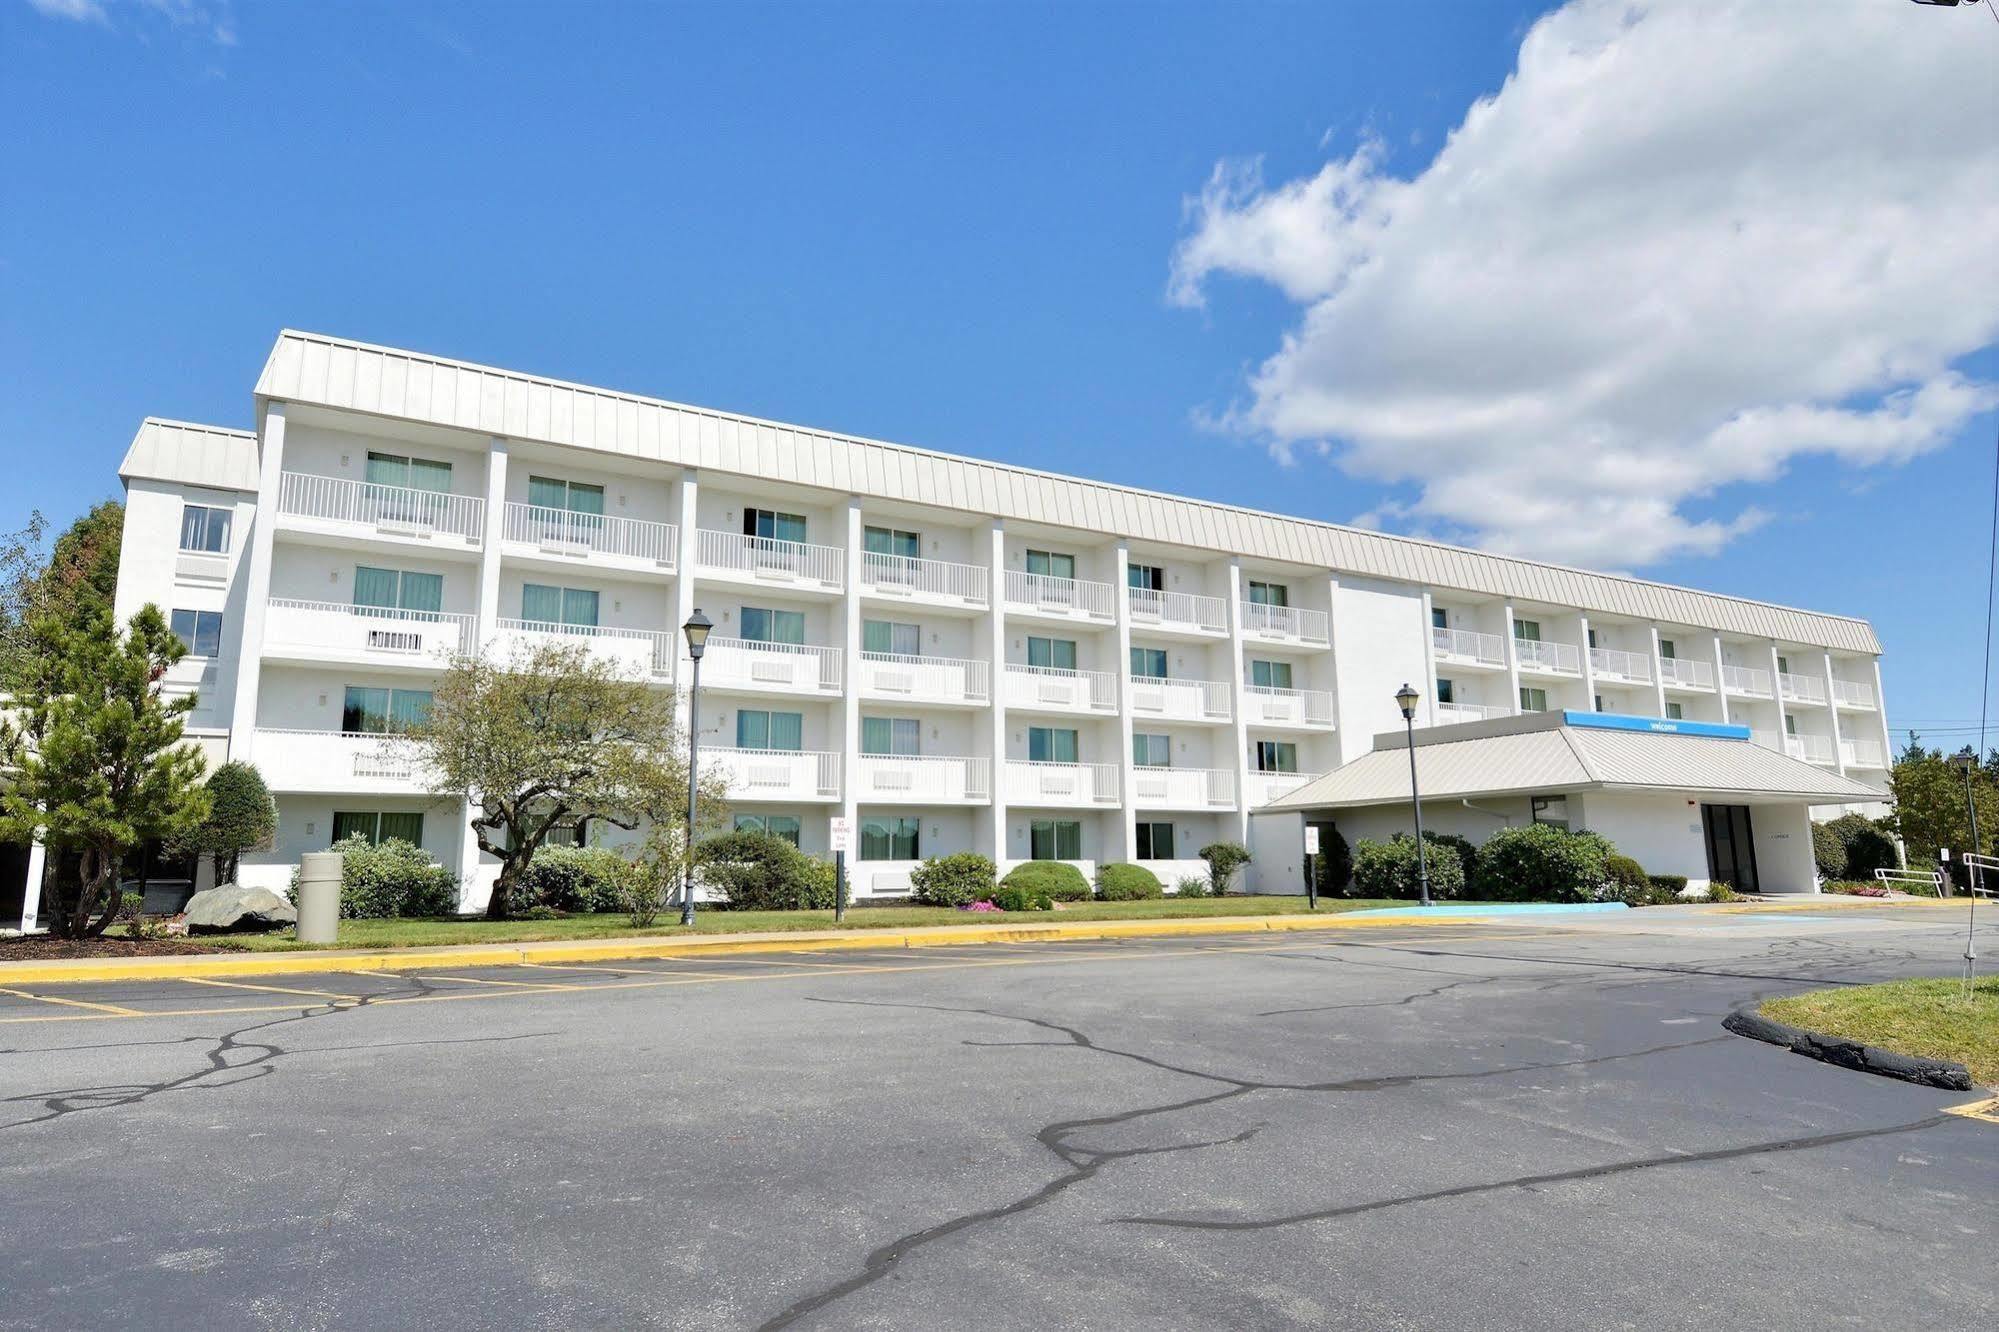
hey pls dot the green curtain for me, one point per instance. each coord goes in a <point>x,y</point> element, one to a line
<point>1151,751</point>
<point>347,824</point>
<point>427,475</point>
<point>423,592</point>
<point>787,731</point>
<point>579,606</point>
<point>388,469</point>
<point>408,827</point>
<point>1270,674</point>
<point>375,587</point>
<point>1056,653</point>
<point>1051,744</point>
<point>408,707</point>
<point>752,729</point>
<point>546,493</point>
<point>1148,663</point>
<point>541,605</point>
<point>365,711</point>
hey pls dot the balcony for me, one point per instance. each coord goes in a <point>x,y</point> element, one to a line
<point>937,583</point>
<point>922,780</point>
<point>561,536</point>
<point>1265,706</point>
<point>1180,700</point>
<point>759,667</point>
<point>1183,788</point>
<point>1177,612</point>
<point>1614,666</point>
<point>1061,785</point>
<point>1852,694</point>
<point>1801,688</point>
<point>1546,657</point>
<point>1059,598</point>
<point>1677,674</point>
<point>639,654</point>
<point>768,562</point>
<point>1286,624</point>
<point>949,681</point>
<point>1861,754</point>
<point>1453,714</point>
<point>336,505</point>
<point>336,762</point>
<point>1048,689</point>
<point>1466,647</point>
<point>1265,787</point>
<point>331,630</point>
<point>1746,681</point>
<point>775,774</point>
<point>1810,748</point>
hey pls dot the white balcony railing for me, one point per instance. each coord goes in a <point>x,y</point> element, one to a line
<point>1852,694</point>
<point>1746,680</point>
<point>1265,787</point>
<point>637,652</point>
<point>1059,596</point>
<point>1066,691</point>
<point>774,774</point>
<point>923,779</point>
<point>1178,610</point>
<point>1861,754</point>
<point>767,559</point>
<point>564,532</point>
<point>365,631</point>
<point>1686,674</point>
<point>1537,654</point>
<point>1450,714</point>
<point>296,760</point>
<point>1287,707</point>
<point>1469,645</point>
<point>1307,626</point>
<point>1801,688</point>
<point>1616,664</point>
<point>925,679</point>
<point>1183,788</point>
<point>1032,783</point>
<point>907,576</point>
<point>754,664</point>
<point>390,510</point>
<point>1181,700</point>
<point>1810,748</point>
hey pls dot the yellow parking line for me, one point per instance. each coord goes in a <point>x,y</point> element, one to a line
<point>109,1010</point>
<point>1987,1110</point>
<point>267,989</point>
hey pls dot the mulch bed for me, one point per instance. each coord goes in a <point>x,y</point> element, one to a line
<point>42,948</point>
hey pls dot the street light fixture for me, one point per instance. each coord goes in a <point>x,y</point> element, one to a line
<point>697,629</point>
<point>1405,698</point>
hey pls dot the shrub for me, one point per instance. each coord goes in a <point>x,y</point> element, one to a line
<point>754,871</point>
<point>1868,846</point>
<point>1191,886</point>
<point>1224,859</point>
<point>1128,883</point>
<point>1673,883</point>
<point>1335,863</point>
<point>1061,881</point>
<point>575,878</point>
<point>1390,869</point>
<point>952,880</point>
<point>1467,853</point>
<point>1625,872</point>
<point>1717,891</point>
<point>1542,863</point>
<point>1021,899</point>
<point>396,878</point>
<point>1828,851</point>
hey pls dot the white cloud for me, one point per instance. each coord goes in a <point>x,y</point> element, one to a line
<point>80,11</point>
<point>1683,245</point>
<point>210,19</point>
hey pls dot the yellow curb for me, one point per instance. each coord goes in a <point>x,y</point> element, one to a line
<point>605,950</point>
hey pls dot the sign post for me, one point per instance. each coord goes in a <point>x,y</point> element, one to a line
<point>843,842</point>
<point>1311,867</point>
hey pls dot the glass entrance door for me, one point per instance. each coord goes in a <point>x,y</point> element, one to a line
<point>1731,846</point>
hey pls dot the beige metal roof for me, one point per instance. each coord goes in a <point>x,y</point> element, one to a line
<point>195,455</point>
<point>355,376</point>
<point>1569,758</point>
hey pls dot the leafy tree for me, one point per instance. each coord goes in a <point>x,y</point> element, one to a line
<point>78,576</point>
<point>97,753</point>
<point>1930,803</point>
<point>547,737</point>
<point>241,817</point>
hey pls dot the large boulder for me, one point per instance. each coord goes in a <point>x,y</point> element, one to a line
<point>234,907</point>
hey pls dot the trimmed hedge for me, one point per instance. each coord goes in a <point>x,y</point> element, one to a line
<point>1062,882</point>
<point>952,880</point>
<point>1390,869</point>
<point>574,878</point>
<point>1538,862</point>
<point>1019,899</point>
<point>396,878</point>
<point>1127,883</point>
<point>1828,851</point>
<point>754,871</point>
<point>1224,859</point>
<point>1676,883</point>
<point>1625,872</point>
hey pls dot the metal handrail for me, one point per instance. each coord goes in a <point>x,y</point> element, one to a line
<point>402,510</point>
<point>910,575</point>
<point>567,532</point>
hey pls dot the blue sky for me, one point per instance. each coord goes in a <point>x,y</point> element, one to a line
<point>954,226</point>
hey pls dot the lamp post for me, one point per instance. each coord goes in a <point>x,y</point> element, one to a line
<point>1968,764</point>
<point>1405,698</point>
<point>696,629</point>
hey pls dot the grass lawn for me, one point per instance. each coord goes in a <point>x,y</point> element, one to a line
<point>1932,1018</point>
<point>422,933</point>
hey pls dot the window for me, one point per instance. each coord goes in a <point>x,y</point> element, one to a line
<point>1146,577</point>
<point>890,541</point>
<point>1151,751</point>
<point>199,631</point>
<point>1268,594</point>
<point>1592,636</point>
<point>1530,630</point>
<point>1270,674</point>
<point>885,636</point>
<point>1051,564</point>
<point>1446,690</point>
<point>1675,712</point>
<point>1276,756</point>
<point>758,729</point>
<point>772,626</point>
<point>1666,648</point>
<point>1148,663</point>
<point>1155,841</point>
<point>558,605</point>
<point>1552,810</point>
<point>889,839</point>
<point>570,496</point>
<point>377,826</point>
<point>1532,699</point>
<point>204,529</point>
<point>1056,653</point>
<point>1790,724</point>
<point>773,526</point>
<point>1051,744</point>
<point>394,589</point>
<point>891,735</point>
<point>1439,618</point>
<point>1597,702</point>
<point>776,825</point>
<point>393,469</point>
<point>1784,665</point>
<point>1055,839</point>
<point>374,711</point>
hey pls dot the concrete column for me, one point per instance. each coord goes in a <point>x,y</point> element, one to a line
<point>850,669</point>
<point>1720,688</point>
<point>489,549</point>
<point>683,587</point>
<point>1431,717</point>
<point>1881,711</point>
<point>257,585</point>
<point>31,890</point>
<point>994,831</point>
<point>1239,701</point>
<point>470,895</point>
<point>1343,735</point>
<point>1512,660</point>
<point>1832,710</point>
<point>1126,839</point>
<point>1777,697</point>
<point>1658,675</point>
<point>1589,667</point>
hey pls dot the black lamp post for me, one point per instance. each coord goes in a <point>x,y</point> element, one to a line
<point>696,629</point>
<point>1968,764</point>
<point>1405,698</point>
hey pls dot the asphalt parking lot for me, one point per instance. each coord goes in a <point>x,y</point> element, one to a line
<point>1484,1126</point>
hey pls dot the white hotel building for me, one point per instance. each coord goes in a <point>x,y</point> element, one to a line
<point>956,654</point>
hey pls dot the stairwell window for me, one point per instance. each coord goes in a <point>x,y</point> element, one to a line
<point>204,529</point>
<point>200,632</point>
<point>1055,839</point>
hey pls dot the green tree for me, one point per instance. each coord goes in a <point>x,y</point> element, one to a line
<point>1930,810</point>
<point>76,577</point>
<point>241,817</point>
<point>99,763</point>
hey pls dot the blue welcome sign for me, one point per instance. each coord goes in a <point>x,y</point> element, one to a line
<point>1618,721</point>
